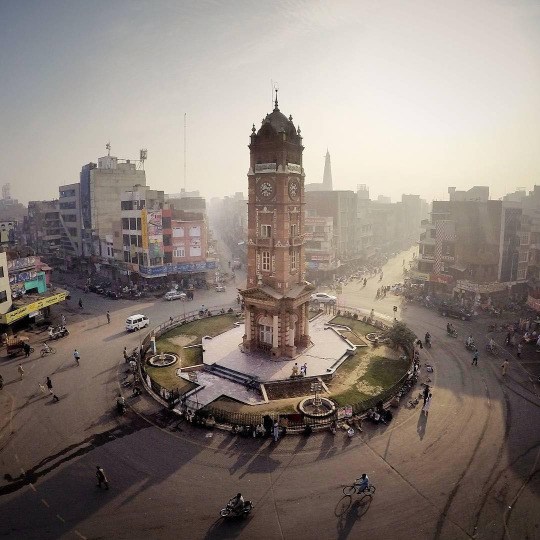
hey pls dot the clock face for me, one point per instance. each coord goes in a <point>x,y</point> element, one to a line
<point>266,189</point>
<point>294,188</point>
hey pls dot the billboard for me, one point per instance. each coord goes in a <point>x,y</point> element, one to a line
<point>144,229</point>
<point>155,234</point>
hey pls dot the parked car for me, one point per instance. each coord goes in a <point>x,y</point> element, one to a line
<point>456,312</point>
<point>175,295</point>
<point>136,322</point>
<point>323,298</point>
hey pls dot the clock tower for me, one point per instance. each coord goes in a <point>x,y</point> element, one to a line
<point>276,296</point>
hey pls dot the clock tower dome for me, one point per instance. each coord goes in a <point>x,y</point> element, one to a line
<point>277,296</point>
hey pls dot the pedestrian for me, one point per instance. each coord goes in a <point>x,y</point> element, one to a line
<point>519,349</point>
<point>76,356</point>
<point>63,320</point>
<point>504,367</point>
<point>20,369</point>
<point>295,370</point>
<point>26,349</point>
<point>126,356</point>
<point>80,303</point>
<point>108,318</point>
<point>101,478</point>
<point>426,393</point>
<point>302,370</point>
<point>427,405</point>
<point>305,368</point>
<point>50,387</point>
<point>276,431</point>
<point>475,358</point>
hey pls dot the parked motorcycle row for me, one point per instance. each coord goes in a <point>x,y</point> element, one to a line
<point>57,332</point>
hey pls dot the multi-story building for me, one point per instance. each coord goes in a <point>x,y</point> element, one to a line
<point>320,246</point>
<point>342,207</point>
<point>364,222</point>
<point>69,202</point>
<point>472,246</point>
<point>159,240</point>
<point>101,187</point>
<point>43,227</point>
<point>5,289</point>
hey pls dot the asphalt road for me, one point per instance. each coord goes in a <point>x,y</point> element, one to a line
<point>468,470</point>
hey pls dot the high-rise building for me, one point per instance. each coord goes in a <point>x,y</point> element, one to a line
<point>277,295</point>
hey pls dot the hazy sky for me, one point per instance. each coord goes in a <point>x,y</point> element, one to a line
<point>409,96</point>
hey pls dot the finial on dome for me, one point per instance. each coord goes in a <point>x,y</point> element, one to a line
<point>298,130</point>
<point>253,130</point>
<point>276,108</point>
<point>290,117</point>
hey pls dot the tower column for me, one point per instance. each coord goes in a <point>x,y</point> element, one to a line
<point>275,331</point>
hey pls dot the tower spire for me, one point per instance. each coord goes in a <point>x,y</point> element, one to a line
<point>276,108</point>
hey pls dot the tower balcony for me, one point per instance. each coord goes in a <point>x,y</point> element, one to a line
<point>264,242</point>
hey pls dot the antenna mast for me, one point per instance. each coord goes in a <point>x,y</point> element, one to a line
<point>185,153</point>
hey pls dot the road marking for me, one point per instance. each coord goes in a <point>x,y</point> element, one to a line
<point>60,518</point>
<point>79,534</point>
<point>17,457</point>
<point>33,487</point>
<point>45,503</point>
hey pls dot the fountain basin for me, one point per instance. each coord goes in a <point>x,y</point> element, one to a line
<point>163,360</point>
<point>321,409</point>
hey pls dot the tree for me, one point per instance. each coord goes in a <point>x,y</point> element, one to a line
<point>401,335</point>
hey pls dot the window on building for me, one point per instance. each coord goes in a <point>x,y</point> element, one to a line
<point>139,240</point>
<point>125,223</point>
<point>294,260</point>
<point>132,224</point>
<point>167,257</point>
<point>265,261</point>
<point>294,229</point>
<point>178,232</point>
<point>125,240</point>
<point>166,239</point>
<point>166,222</point>
<point>265,334</point>
<point>139,224</point>
<point>266,231</point>
<point>1,271</point>
<point>133,239</point>
<point>126,205</point>
<point>522,274</point>
<point>179,252</point>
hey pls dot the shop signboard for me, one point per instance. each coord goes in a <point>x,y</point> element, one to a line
<point>144,229</point>
<point>480,288</point>
<point>176,268</point>
<point>21,312</point>
<point>155,234</point>
<point>440,278</point>
<point>22,263</point>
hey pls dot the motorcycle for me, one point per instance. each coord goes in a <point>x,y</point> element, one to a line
<point>452,333</point>
<point>229,511</point>
<point>428,343</point>
<point>58,332</point>
<point>470,346</point>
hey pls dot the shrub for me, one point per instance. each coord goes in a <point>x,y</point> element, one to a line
<point>355,316</point>
<point>401,335</point>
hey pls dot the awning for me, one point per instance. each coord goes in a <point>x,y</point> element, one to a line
<point>459,267</point>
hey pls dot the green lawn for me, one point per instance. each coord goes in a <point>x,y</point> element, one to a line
<point>357,326</point>
<point>209,326</point>
<point>349,396</point>
<point>166,377</point>
<point>384,372</point>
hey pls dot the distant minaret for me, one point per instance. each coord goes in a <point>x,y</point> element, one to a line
<point>327,177</point>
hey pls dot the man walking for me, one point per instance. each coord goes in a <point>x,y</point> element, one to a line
<point>426,393</point>
<point>126,357</point>
<point>80,303</point>
<point>20,369</point>
<point>26,349</point>
<point>108,318</point>
<point>504,367</point>
<point>49,386</point>
<point>76,356</point>
<point>63,320</point>
<point>519,349</point>
<point>101,478</point>
<point>475,358</point>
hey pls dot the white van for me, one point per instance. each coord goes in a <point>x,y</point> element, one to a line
<point>136,322</point>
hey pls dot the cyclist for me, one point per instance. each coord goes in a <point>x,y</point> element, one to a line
<point>361,483</point>
<point>237,503</point>
<point>46,347</point>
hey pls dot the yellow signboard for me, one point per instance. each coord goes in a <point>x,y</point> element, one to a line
<point>144,229</point>
<point>17,314</point>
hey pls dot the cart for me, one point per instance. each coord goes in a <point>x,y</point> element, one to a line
<point>15,345</point>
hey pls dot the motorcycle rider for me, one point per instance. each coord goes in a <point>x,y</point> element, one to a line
<point>427,338</point>
<point>450,329</point>
<point>491,345</point>
<point>237,503</point>
<point>470,341</point>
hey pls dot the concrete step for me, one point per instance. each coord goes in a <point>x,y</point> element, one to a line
<point>228,373</point>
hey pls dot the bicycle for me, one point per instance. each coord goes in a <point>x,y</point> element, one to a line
<point>47,350</point>
<point>351,490</point>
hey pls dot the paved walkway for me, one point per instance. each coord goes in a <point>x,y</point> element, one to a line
<point>327,349</point>
<point>213,387</point>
